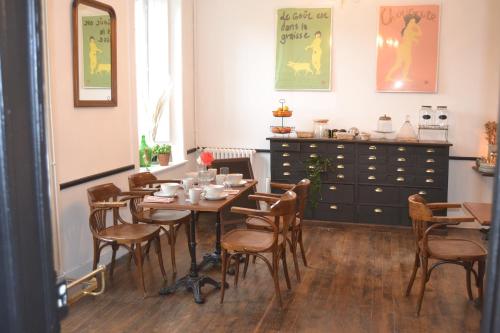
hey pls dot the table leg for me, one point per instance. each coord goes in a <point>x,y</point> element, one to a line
<point>215,257</point>
<point>192,282</point>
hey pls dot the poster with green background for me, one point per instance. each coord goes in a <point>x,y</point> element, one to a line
<point>96,40</point>
<point>303,49</point>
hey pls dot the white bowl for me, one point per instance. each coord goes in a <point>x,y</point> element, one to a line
<point>169,189</point>
<point>214,191</point>
<point>234,178</point>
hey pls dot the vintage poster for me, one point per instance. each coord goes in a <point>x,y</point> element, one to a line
<point>407,48</point>
<point>303,49</point>
<point>96,49</point>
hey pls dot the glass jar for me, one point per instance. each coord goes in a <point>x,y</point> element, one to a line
<point>320,128</point>
<point>442,116</point>
<point>426,116</point>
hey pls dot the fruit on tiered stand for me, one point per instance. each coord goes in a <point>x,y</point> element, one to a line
<point>282,112</point>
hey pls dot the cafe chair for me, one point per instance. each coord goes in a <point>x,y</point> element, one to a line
<point>108,197</point>
<point>169,220</point>
<point>461,252</point>
<point>295,239</point>
<point>240,242</point>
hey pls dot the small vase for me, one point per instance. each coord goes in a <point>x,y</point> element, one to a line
<point>145,153</point>
<point>163,159</point>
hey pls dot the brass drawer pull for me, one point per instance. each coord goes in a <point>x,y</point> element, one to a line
<point>401,159</point>
<point>430,160</point>
<point>311,167</point>
<point>333,188</point>
<point>401,149</point>
<point>285,155</point>
<point>372,157</point>
<point>334,207</point>
<point>430,151</point>
<point>379,190</point>
<point>378,210</point>
<point>400,169</point>
<point>340,166</point>
<point>429,180</point>
<point>372,167</point>
<point>340,176</point>
<point>340,147</point>
<point>313,155</point>
<point>286,173</point>
<point>286,164</point>
<point>313,145</point>
<point>372,147</point>
<point>284,145</point>
<point>340,157</point>
<point>371,178</point>
<point>422,192</point>
<point>429,171</point>
<point>400,179</point>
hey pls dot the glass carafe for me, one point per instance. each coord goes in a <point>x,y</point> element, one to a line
<point>442,116</point>
<point>426,116</point>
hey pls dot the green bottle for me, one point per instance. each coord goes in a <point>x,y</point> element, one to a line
<point>145,153</point>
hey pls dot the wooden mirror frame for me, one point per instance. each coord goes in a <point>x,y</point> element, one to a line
<point>76,57</point>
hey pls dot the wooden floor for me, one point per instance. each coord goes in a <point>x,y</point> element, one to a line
<point>355,283</point>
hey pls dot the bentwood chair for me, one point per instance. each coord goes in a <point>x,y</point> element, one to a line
<point>295,239</point>
<point>169,220</point>
<point>461,252</point>
<point>240,242</point>
<point>106,197</point>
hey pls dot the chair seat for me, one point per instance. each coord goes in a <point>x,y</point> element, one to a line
<point>129,233</point>
<point>164,216</point>
<point>455,249</point>
<point>246,240</point>
<point>258,222</point>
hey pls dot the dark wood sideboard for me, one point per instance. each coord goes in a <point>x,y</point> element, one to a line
<point>369,181</point>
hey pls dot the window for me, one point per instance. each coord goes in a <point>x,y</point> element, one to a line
<point>159,85</point>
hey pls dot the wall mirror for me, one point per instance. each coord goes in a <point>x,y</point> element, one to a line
<point>94,54</point>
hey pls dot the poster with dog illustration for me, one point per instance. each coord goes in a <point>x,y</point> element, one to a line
<point>96,48</point>
<point>303,49</point>
<point>407,48</point>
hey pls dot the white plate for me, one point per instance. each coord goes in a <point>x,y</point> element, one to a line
<point>163,194</point>
<point>222,197</point>
<point>241,183</point>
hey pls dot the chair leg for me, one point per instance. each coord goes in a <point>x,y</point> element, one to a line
<point>285,267</point>
<point>236,269</point>
<point>480,280</point>
<point>138,260</point>
<point>131,256</point>
<point>146,251</point>
<point>172,238</point>
<point>97,254</point>
<point>416,265</point>
<point>293,249</point>
<point>113,259</point>
<point>160,257</point>
<point>275,278</point>
<point>422,283</point>
<point>245,268</point>
<point>468,272</point>
<point>301,243</point>
<point>224,271</point>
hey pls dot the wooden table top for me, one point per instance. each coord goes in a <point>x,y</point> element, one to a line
<point>480,211</point>
<point>180,202</point>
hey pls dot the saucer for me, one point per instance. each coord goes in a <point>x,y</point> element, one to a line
<point>221,197</point>
<point>163,194</point>
<point>241,183</point>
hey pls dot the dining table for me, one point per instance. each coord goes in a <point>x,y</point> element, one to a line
<point>194,281</point>
<point>482,213</point>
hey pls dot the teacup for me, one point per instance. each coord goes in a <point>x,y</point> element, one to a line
<point>195,194</point>
<point>170,189</point>
<point>187,183</point>
<point>214,191</point>
<point>234,178</point>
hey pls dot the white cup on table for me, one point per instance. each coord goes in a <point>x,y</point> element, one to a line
<point>170,189</point>
<point>214,191</point>
<point>195,195</point>
<point>187,183</point>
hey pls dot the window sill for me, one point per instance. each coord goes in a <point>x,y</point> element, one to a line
<point>156,168</point>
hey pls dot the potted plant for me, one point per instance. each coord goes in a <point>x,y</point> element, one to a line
<point>163,153</point>
<point>315,168</point>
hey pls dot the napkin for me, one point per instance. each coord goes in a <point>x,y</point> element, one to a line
<point>150,198</point>
<point>232,192</point>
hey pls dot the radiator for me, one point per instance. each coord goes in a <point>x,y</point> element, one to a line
<point>224,153</point>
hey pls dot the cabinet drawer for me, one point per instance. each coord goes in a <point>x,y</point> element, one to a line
<point>313,146</point>
<point>372,159</point>
<point>432,151</point>
<point>369,149</point>
<point>378,215</point>
<point>431,171</point>
<point>373,168</point>
<point>430,194</point>
<point>372,178</point>
<point>430,181</point>
<point>400,150</point>
<point>401,170</point>
<point>308,155</point>
<point>401,180</point>
<point>285,146</point>
<point>285,175</point>
<point>341,148</point>
<point>339,193</point>
<point>378,195</point>
<point>440,162</point>
<point>342,175</point>
<point>287,163</point>
<point>341,157</point>
<point>398,159</point>
<point>404,216</point>
<point>335,212</point>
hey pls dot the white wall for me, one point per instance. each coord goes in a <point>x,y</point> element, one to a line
<point>235,52</point>
<point>93,140</point>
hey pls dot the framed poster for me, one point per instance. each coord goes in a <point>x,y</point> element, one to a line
<point>303,49</point>
<point>94,54</point>
<point>407,48</point>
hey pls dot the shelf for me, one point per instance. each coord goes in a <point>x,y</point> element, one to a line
<point>482,173</point>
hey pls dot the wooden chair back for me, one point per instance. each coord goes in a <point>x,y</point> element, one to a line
<point>101,193</point>
<point>236,165</point>
<point>302,191</point>
<point>141,179</point>
<point>283,211</point>
<point>420,215</point>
